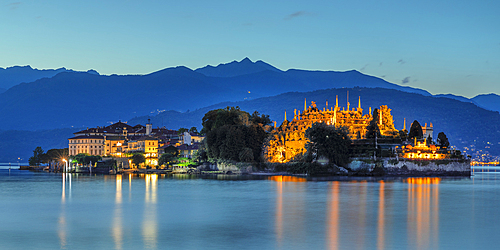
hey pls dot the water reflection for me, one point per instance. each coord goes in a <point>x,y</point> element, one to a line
<point>359,190</point>
<point>289,215</point>
<point>381,217</point>
<point>150,224</point>
<point>333,217</point>
<point>117,228</point>
<point>61,223</point>
<point>423,212</point>
<point>279,210</point>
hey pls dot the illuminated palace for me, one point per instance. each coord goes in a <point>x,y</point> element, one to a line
<point>288,140</point>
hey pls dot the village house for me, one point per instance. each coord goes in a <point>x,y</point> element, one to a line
<point>120,140</point>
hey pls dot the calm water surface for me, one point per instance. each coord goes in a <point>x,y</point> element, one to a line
<point>51,211</point>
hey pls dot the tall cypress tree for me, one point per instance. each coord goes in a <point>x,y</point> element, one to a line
<point>415,131</point>
<point>373,129</point>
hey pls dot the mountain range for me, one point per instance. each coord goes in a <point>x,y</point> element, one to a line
<point>179,97</point>
<point>81,99</point>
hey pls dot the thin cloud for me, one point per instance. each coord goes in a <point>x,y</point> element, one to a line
<point>247,24</point>
<point>401,61</point>
<point>406,80</point>
<point>296,14</point>
<point>364,67</point>
<point>14,5</point>
<point>380,65</point>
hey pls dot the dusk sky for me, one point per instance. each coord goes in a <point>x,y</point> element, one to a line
<point>440,46</point>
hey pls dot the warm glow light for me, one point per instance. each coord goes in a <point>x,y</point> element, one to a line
<point>284,178</point>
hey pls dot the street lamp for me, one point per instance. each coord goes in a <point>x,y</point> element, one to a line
<point>65,165</point>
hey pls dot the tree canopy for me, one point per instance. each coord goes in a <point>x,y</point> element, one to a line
<point>55,155</point>
<point>331,142</point>
<point>84,158</point>
<point>36,159</point>
<point>415,131</point>
<point>138,158</point>
<point>442,140</point>
<point>232,133</point>
<point>170,154</point>
<point>373,130</point>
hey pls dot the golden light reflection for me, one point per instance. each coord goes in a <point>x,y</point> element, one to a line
<point>285,178</point>
<point>362,195</point>
<point>150,225</point>
<point>381,217</point>
<point>63,196</point>
<point>129,187</point>
<point>423,194</point>
<point>61,227</point>
<point>333,217</point>
<point>117,229</point>
<point>279,210</point>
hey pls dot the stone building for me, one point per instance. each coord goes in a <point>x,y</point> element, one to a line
<point>288,140</point>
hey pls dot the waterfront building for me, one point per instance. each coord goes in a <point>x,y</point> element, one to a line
<point>428,131</point>
<point>421,150</point>
<point>288,140</point>
<point>120,140</point>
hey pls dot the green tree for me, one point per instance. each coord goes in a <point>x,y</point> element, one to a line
<point>138,158</point>
<point>91,159</point>
<point>429,140</point>
<point>442,140</point>
<point>230,131</point>
<point>403,134</point>
<point>36,159</point>
<point>193,130</point>
<point>415,131</point>
<point>180,131</point>
<point>80,158</point>
<point>55,155</point>
<point>246,155</point>
<point>373,130</point>
<point>170,154</point>
<point>331,142</point>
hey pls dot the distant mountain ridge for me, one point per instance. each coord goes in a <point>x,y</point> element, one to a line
<point>12,76</point>
<point>234,68</point>
<point>488,101</point>
<point>81,99</point>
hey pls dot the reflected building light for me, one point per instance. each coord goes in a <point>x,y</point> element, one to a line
<point>150,226</point>
<point>420,215</point>
<point>381,217</point>
<point>117,229</point>
<point>279,210</point>
<point>118,198</point>
<point>360,240</point>
<point>285,178</point>
<point>63,196</point>
<point>61,223</point>
<point>129,187</point>
<point>333,217</point>
<point>61,232</point>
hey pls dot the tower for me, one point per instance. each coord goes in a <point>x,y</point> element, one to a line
<point>149,127</point>
<point>359,103</point>
<point>404,124</point>
<point>348,101</point>
<point>305,104</point>
<point>380,117</point>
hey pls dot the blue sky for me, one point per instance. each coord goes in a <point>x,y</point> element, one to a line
<point>441,46</point>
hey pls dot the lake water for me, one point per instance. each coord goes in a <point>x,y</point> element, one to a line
<point>56,211</point>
